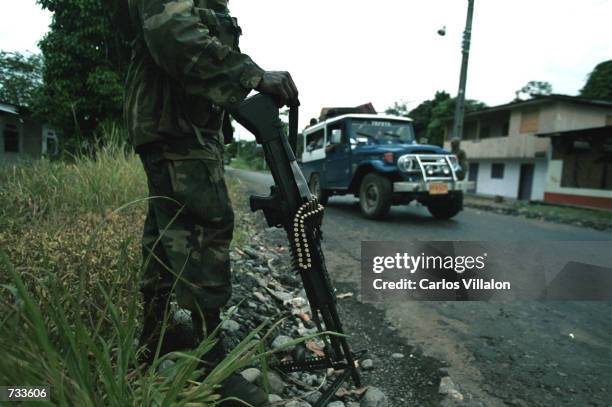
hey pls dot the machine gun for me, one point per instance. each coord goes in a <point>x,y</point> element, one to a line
<point>292,207</point>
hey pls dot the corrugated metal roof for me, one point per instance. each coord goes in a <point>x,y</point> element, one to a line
<point>12,109</point>
<point>536,100</point>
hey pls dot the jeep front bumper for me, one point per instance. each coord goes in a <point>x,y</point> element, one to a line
<point>419,186</point>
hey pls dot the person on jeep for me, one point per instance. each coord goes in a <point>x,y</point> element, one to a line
<point>186,71</point>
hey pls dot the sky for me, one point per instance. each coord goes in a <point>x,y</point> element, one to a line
<point>350,52</point>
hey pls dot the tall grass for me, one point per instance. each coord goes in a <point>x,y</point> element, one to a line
<point>53,190</point>
<point>69,267</point>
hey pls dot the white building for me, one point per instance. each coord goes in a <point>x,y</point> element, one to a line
<point>22,136</point>
<point>510,152</point>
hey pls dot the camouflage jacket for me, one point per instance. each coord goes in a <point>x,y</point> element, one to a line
<point>186,67</point>
<point>462,159</point>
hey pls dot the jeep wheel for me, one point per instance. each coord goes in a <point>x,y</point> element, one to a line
<point>315,188</point>
<point>375,194</point>
<point>446,208</point>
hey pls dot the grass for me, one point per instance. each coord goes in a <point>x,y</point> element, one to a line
<point>598,218</point>
<point>69,266</point>
<point>252,164</point>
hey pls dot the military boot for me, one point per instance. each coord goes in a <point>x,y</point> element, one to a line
<point>235,385</point>
<point>154,309</point>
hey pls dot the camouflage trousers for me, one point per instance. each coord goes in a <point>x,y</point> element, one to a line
<point>189,225</point>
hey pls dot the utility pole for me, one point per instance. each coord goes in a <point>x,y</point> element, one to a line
<point>460,106</point>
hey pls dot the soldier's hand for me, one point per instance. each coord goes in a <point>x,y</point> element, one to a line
<point>279,84</point>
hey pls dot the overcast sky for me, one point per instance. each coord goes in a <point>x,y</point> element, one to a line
<point>349,52</point>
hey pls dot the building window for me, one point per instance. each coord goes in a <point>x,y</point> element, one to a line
<point>11,139</point>
<point>485,132</point>
<point>497,171</point>
<point>530,121</point>
<point>589,168</point>
<point>470,130</point>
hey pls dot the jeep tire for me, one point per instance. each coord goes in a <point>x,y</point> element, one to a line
<point>447,207</point>
<point>375,196</point>
<point>315,188</point>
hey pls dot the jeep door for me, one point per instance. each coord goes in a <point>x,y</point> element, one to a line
<point>313,154</point>
<point>337,157</point>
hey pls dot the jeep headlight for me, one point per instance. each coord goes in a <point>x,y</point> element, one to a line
<point>407,163</point>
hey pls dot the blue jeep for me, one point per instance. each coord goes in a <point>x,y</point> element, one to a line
<point>377,159</point>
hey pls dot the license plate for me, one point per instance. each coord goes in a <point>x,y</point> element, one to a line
<point>438,188</point>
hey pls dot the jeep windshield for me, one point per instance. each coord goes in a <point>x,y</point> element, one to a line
<point>380,132</point>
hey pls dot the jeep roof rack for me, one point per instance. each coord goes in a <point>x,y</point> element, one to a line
<point>329,112</point>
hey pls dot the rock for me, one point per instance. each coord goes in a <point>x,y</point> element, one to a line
<point>367,364</point>
<point>446,384</point>
<point>230,325</point>
<point>273,398</point>
<point>310,379</point>
<point>251,253</point>
<point>251,375</point>
<point>443,370</point>
<point>518,402</point>
<point>164,368</point>
<point>281,295</point>
<point>297,403</point>
<point>336,404</point>
<point>275,383</point>
<point>374,398</point>
<point>313,397</point>
<point>298,302</point>
<point>455,395</point>
<point>233,310</point>
<point>397,356</point>
<point>281,341</point>
<point>182,317</point>
<point>448,387</point>
<point>352,404</point>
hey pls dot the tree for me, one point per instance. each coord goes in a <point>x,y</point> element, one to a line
<point>424,113</point>
<point>421,115</point>
<point>599,82</point>
<point>534,88</point>
<point>443,112</point>
<point>85,61</point>
<point>20,77</point>
<point>429,117</point>
<point>398,109</point>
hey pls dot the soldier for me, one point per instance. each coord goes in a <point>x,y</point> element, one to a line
<point>461,156</point>
<point>186,70</point>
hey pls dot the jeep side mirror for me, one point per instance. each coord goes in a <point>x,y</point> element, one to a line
<point>336,136</point>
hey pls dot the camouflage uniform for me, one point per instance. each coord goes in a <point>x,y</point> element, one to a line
<point>186,69</point>
<point>461,156</point>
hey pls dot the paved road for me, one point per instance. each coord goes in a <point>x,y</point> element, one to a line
<point>517,353</point>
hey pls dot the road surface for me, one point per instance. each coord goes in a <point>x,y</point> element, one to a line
<point>519,353</point>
